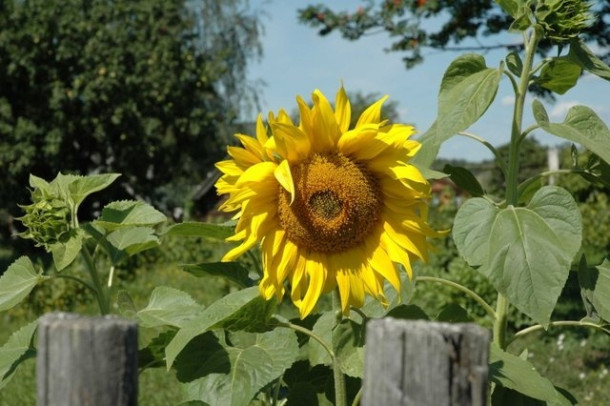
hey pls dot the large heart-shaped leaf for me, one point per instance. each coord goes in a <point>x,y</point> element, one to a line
<point>168,307</point>
<point>17,282</point>
<point>510,371</point>
<point>17,349</point>
<point>244,309</point>
<point>233,375</point>
<point>472,230</point>
<point>526,252</point>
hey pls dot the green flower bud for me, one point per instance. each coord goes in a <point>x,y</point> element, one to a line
<point>563,20</point>
<point>47,219</point>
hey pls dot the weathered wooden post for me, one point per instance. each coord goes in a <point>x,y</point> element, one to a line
<point>422,363</point>
<point>87,361</point>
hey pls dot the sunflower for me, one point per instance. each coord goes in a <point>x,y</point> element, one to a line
<point>332,207</point>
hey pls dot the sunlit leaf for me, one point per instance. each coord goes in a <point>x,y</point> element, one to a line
<point>559,75</point>
<point>233,375</point>
<point>244,309</point>
<point>129,213</point>
<point>582,125</point>
<point>169,307</point>
<point>582,55</point>
<point>83,186</point>
<point>510,371</point>
<point>526,252</point>
<point>133,239</point>
<point>64,253</point>
<point>17,282</point>
<point>17,349</point>
<point>472,230</point>
<point>467,89</point>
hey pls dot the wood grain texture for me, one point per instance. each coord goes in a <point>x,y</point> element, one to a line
<point>86,361</point>
<point>420,363</point>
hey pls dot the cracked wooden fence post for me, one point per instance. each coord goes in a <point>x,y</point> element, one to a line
<point>86,361</point>
<point>423,363</point>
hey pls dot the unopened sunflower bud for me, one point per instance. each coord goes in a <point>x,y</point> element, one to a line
<point>563,20</point>
<point>46,219</point>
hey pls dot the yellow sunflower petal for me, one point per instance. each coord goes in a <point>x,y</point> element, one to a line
<point>293,144</point>
<point>343,110</point>
<point>316,271</point>
<point>372,114</point>
<point>324,124</point>
<point>261,130</point>
<point>305,113</point>
<point>284,177</point>
<point>251,144</point>
<point>242,156</point>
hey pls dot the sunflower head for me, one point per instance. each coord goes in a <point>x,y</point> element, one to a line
<point>332,207</point>
<point>46,219</point>
<point>563,20</point>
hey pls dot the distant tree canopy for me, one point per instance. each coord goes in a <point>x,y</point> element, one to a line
<point>405,21</point>
<point>146,88</point>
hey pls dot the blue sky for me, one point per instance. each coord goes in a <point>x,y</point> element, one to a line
<point>297,60</point>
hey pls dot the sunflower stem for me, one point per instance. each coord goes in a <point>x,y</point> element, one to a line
<point>339,378</point>
<point>102,300</point>
<point>570,323</point>
<point>512,190</point>
<point>462,288</point>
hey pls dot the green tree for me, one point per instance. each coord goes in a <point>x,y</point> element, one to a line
<point>407,24</point>
<point>145,88</point>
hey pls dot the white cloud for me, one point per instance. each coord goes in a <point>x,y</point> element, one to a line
<point>508,100</point>
<point>560,109</point>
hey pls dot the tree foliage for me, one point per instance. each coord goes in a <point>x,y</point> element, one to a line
<point>144,88</point>
<point>407,24</point>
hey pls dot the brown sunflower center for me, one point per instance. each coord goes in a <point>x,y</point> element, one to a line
<point>337,203</point>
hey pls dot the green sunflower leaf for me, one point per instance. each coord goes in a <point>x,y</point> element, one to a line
<point>169,307</point>
<point>82,186</point>
<point>232,375</point>
<point>464,179</point>
<point>512,372</point>
<point>526,252</point>
<point>467,89</point>
<point>559,75</point>
<point>582,125</point>
<point>64,253</point>
<point>17,282</point>
<point>241,310</point>
<point>348,339</point>
<point>510,6</point>
<point>582,55</point>
<point>531,251</point>
<point>207,230</point>
<point>323,328</point>
<point>133,239</point>
<point>595,285</point>
<point>17,349</point>
<point>472,229</point>
<point>232,271</point>
<point>129,213</point>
